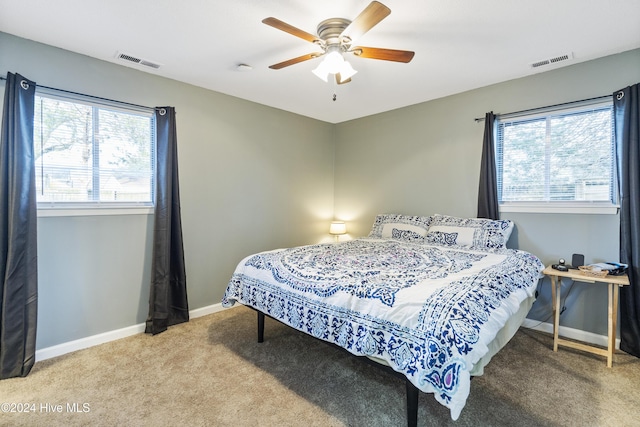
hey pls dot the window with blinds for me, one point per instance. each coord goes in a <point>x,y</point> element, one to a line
<point>92,153</point>
<point>557,160</point>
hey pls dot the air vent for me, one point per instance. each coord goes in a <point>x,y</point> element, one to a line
<point>554,60</point>
<point>131,58</point>
<point>149,64</point>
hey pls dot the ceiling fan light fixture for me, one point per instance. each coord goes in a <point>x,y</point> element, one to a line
<point>321,71</point>
<point>333,62</point>
<point>346,72</point>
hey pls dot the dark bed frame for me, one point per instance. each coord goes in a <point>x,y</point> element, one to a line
<point>412,390</point>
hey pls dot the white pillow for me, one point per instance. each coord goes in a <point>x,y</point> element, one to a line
<point>406,227</point>
<point>473,233</point>
<point>450,235</point>
<point>399,231</point>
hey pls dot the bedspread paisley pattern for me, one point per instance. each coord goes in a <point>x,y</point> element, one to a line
<point>363,268</point>
<point>353,294</point>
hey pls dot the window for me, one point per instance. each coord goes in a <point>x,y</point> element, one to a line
<point>91,153</point>
<point>557,161</point>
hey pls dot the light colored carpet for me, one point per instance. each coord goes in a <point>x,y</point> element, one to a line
<point>212,372</point>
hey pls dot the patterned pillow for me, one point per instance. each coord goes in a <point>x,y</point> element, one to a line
<point>385,224</point>
<point>441,238</point>
<point>473,233</point>
<point>408,235</point>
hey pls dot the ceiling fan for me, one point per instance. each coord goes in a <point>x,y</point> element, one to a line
<point>335,37</point>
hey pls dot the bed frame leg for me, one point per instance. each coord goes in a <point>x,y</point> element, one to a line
<point>412,404</point>
<point>260,326</point>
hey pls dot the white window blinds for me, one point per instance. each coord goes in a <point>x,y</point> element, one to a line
<point>562,157</point>
<point>92,153</point>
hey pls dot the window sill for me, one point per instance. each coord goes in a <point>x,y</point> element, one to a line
<point>44,212</point>
<point>560,208</point>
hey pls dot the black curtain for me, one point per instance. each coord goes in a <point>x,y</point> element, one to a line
<point>168,294</point>
<point>18,220</point>
<point>488,189</point>
<point>627,122</point>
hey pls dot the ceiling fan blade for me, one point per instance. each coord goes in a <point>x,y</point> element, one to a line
<point>383,54</point>
<point>368,18</point>
<point>283,26</point>
<point>295,60</point>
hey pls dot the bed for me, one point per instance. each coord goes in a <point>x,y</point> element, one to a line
<point>431,298</point>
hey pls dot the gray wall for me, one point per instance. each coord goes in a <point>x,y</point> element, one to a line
<point>252,178</point>
<point>425,159</point>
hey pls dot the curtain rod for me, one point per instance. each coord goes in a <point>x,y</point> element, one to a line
<point>90,96</point>
<point>531,110</point>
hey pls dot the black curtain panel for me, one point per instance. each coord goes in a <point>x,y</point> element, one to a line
<point>627,121</point>
<point>488,189</point>
<point>168,294</point>
<point>18,220</point>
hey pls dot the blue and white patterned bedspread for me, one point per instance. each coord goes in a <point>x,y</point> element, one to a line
<point>428,311</point>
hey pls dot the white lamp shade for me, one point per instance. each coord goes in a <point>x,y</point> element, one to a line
<point>321,71</point>
<point>338,227</point>
<point>346,72</point>
<point>333,61</point>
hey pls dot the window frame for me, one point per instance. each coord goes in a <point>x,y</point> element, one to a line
<point>91,208</point>
<point>610,207</point>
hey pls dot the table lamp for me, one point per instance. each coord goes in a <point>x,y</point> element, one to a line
<point>337,228</point>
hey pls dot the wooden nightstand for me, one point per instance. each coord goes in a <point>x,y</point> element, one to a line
<point>614,283</point>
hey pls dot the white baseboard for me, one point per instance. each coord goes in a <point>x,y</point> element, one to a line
<point>82,343</point>
<point>571,333</point>
<point>210,309</point>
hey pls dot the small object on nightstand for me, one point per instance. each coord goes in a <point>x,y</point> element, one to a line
<point>590,270</point>
<point>577,260</point>
<point>560,266</point>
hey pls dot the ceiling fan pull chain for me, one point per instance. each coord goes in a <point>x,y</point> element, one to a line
<point>334,96</point>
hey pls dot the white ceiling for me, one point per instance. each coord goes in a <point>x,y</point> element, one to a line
<point>459,44</point>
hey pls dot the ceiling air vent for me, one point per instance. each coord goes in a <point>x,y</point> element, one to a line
<point>554,60</point>
<point>131,58</point>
